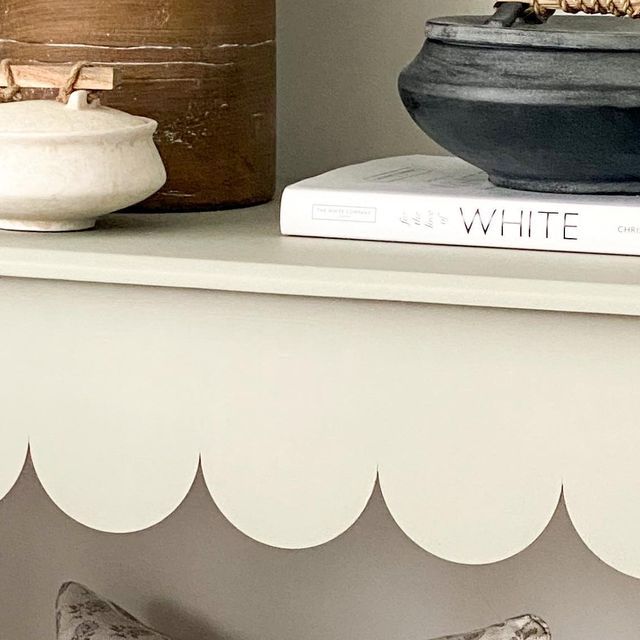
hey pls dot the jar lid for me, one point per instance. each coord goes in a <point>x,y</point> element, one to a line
<point>77,117</point>
<point>600,33</point>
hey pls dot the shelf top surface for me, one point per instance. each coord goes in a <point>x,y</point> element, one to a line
<point>242,250</point>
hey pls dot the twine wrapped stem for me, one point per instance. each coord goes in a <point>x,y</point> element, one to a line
<point>620,8</point>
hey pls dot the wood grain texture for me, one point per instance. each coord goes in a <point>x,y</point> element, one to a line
<point>205,69</point>
<point>55,76</point>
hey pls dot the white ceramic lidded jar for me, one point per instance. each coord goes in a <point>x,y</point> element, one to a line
<point>65,165</point>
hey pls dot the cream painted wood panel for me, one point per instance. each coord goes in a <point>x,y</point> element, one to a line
<point>242,250</point>
<point>473,414</point>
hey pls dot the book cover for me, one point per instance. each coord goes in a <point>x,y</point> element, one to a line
<point>442,200</point>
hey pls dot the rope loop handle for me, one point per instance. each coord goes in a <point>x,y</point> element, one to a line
<point>12,90</point>
<point>69,86</point>
<point>619,8</point>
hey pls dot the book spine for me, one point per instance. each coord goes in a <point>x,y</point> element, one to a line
<point>464,221</point>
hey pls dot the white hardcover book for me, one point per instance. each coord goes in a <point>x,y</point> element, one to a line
<point>440,200</point>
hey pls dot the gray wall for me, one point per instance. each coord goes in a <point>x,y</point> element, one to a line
<point>195,576</point>
<point>338,67</point>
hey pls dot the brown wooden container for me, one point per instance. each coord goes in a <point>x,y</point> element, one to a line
<point>205,69</point>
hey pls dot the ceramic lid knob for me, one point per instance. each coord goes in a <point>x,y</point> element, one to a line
<point>79,100</point>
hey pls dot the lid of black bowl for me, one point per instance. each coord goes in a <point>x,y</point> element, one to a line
<point>601,33</point>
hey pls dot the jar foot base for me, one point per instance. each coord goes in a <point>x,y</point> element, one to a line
<point>46,226</point>
<point>594,187</point>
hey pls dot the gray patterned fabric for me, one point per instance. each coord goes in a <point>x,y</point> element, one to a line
<point>527,627</point>
<point>81,614</point>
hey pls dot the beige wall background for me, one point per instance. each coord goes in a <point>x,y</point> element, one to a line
<point>339,62</point>
<point>197,578</point>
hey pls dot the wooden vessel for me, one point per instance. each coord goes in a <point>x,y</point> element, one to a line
<point>204,69</point>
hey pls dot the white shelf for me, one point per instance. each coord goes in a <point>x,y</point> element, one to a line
<point>242,251</point>
<point>474,409</point>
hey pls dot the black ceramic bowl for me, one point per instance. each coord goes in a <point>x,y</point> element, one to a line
<point>552,107</point>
